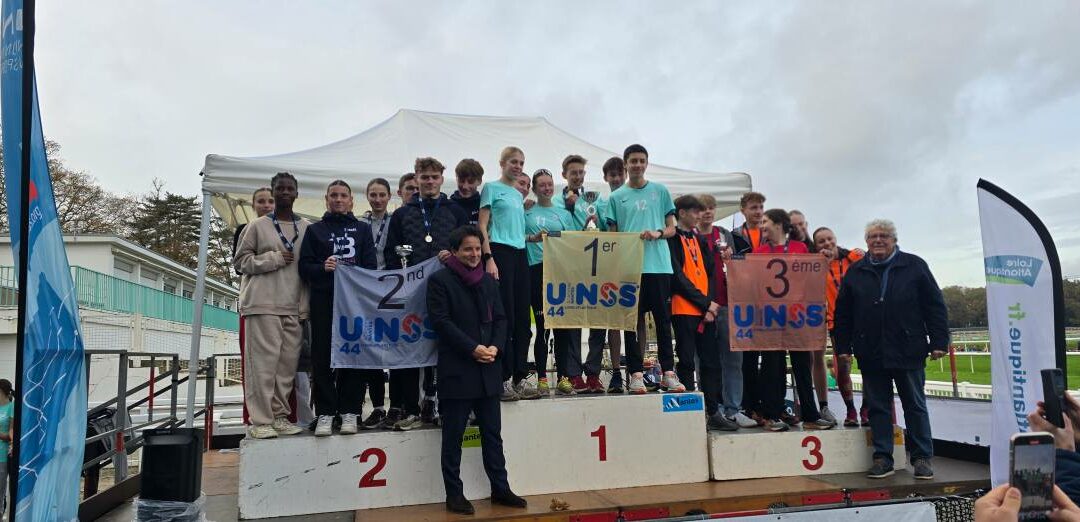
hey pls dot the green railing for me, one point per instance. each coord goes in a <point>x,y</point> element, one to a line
<point>97,291</point>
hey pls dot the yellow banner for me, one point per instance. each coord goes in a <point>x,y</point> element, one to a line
<point>591,279</point>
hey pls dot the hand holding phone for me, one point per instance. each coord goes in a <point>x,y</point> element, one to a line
<point>1031,470</point>
<point>1053,382</point>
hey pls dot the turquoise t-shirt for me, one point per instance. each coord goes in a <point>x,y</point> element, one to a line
<point>7,413</point>
<point>580,214</point>
<point>637,210</point>
<point>507,224</point>
<point>551,219</point>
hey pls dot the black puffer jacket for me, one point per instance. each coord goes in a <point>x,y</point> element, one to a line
<point>407,228</point>
<point>899,331</point>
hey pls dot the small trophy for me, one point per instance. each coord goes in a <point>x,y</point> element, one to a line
<point>590,197</point>
<point>404,251</point>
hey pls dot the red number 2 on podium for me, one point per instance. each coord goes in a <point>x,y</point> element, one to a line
<point>369,480</point>
<point>815,452</point>
<point>601,435</point>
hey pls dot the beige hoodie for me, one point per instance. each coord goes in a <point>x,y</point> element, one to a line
<point>269,285</point>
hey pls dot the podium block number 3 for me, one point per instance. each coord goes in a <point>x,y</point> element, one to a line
<point>369,480</point>
<point>816,459</point>
<point>601,439</point>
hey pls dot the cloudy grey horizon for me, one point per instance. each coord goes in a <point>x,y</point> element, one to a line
<point>848,111</point>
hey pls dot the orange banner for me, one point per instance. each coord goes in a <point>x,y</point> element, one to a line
<point>777,302</point>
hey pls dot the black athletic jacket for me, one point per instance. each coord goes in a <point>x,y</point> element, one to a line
<point>407,228</point>
<point>337,234</point>
<point>471,206</point>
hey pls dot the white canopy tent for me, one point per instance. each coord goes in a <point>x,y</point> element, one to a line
<point>390,149</point>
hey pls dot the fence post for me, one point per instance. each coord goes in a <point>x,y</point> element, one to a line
<point>175,385</point>
<point>211,378</point>
<point>150,397</point>
<point>120,468</point>
<point>952,370</point>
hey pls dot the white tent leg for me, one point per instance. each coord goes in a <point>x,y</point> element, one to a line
<point>196,318</point>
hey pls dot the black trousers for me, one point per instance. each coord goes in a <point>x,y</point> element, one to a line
<point>429,381</point>
<point>773,384</point>
<point>373,383</point>
<point>567,341</point>
<point>595,357</point>
<point>751,372</point>
<point>455,415</point>
<point>405,390</point>
<point>514,290</point>
<point>690,344</point>
<point>653,297</point>
<point>336,391</point>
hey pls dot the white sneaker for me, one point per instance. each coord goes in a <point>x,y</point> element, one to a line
<point>508,393</point>
<point>672,384</point>
<point>325,426</point>
<point>526,390</point>
<point>743,421</point>
<point>262,431</point>
<point>348,424</point>
<point>283,427</point>
<point>637,384</point>
<point>827,414</point>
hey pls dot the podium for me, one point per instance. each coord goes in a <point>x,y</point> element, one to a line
<point>552,445</point>
<point>755,454</point>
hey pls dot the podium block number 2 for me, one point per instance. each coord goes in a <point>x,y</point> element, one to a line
<point>601,439</point>
<point>369,480</point>
<point>816,459</point>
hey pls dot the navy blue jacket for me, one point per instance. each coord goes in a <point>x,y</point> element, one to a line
<point>1067,473</point>
<point>470,205</point>
<point>337,234</point>
<point>899,331</point>
<point>463,318</point>
<point>407,228</point>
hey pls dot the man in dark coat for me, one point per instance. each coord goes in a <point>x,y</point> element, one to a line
<point>465,309</point>
<point>891,314</point>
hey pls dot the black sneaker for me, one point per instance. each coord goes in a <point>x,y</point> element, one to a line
<point>374,420</point>
<point>427,411</point>
<point>508,498</point>
<point>923,470</point>
<point>392,417</point>
<point>718,421</point>
<point>615,385</point>
<point>459,505</point>
<point>880,469</point>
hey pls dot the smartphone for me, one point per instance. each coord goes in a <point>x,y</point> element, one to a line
<point>1031,470</point>
<point>1054,395</point>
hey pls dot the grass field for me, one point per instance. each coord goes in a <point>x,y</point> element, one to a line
<point>975,369</point>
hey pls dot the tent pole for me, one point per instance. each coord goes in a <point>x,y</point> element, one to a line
<point>197,314</point>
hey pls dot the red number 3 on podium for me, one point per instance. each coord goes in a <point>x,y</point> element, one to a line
<point>818,459</point>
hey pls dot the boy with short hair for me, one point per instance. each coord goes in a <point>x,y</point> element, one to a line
<point>469,174</point>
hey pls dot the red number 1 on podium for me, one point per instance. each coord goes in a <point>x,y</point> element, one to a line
<point>601,436</point>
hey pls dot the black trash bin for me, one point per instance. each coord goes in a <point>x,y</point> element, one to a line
<point>172,464</point>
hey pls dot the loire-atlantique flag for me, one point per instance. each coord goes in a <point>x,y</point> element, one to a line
<point>380,318</point>
<point>1025,313</point>
<point>52,385</point>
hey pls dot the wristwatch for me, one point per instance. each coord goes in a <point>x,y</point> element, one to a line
<point>484,258</point>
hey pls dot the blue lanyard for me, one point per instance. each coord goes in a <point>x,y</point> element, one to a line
<point>289,245</point>
<point>423,211</point>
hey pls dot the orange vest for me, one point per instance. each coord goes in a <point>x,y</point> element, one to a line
<point>694,269</point>
<point>837,269</point>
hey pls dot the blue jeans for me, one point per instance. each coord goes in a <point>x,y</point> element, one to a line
<point>730,367</point>
<point>878,397</point>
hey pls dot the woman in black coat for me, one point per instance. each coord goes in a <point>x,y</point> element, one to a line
<point>465,309</point>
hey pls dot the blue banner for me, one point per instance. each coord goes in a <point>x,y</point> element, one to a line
<point>51,392</point>
<point>380,318</point>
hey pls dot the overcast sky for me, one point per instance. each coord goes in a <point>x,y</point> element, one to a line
<point>847,111</point>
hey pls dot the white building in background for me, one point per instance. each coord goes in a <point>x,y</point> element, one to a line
<point>130,299</point>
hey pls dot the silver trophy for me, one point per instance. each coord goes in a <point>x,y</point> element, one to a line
<point>591,196</point>
<point>404,251</point>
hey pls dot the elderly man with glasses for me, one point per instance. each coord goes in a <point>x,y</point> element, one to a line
<point>891,314</point>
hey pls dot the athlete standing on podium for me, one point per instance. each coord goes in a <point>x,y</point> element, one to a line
<point>646,207</point>
<point>502,221</point>
<point>615,176</point>
<point>466,311</point>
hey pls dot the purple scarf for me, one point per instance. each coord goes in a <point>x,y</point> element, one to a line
<point>470,276</point>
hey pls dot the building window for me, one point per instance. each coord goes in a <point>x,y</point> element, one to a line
<point>149,277</point>
<point>170,285</point>
<point>187,294</point>
<point>123,269</point>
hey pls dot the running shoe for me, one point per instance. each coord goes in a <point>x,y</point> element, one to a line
<point>827,414</point>
<point>594,384</point>
<point>565,387</point>
<point>820,424</point>
<point>579,385</point>
<point>637,385</point>
<point>508,394</point>
<point>325,427</point>
<point>348,424</point>
<point>262,431</point>
<point>718,421</point>
<point>864,417</point>
<point>789,418</point>
<point>543,387</point>
<point>776,425</point>
<point>525,390</point>
<point>743,421</point>
<point>923,470</point>
<point>283,427</point>
<point>852,419</point>
<point>758,419</point>
<point>672,384</point>
<point>615,385</point>
<point>390,419</point>
<point>880,469</point>
<point>408,422</point>
<point>427,411</point>
<point>374,420</point>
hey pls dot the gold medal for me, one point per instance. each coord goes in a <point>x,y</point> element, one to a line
<point>427,238</point>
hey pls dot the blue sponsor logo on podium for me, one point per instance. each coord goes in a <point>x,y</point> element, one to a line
<point>682,402</point>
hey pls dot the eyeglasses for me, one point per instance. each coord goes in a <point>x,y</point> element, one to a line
<point>879,237</point>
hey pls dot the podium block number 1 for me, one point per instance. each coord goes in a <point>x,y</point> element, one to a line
<point>369,480</point>
<point>601,439</point>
